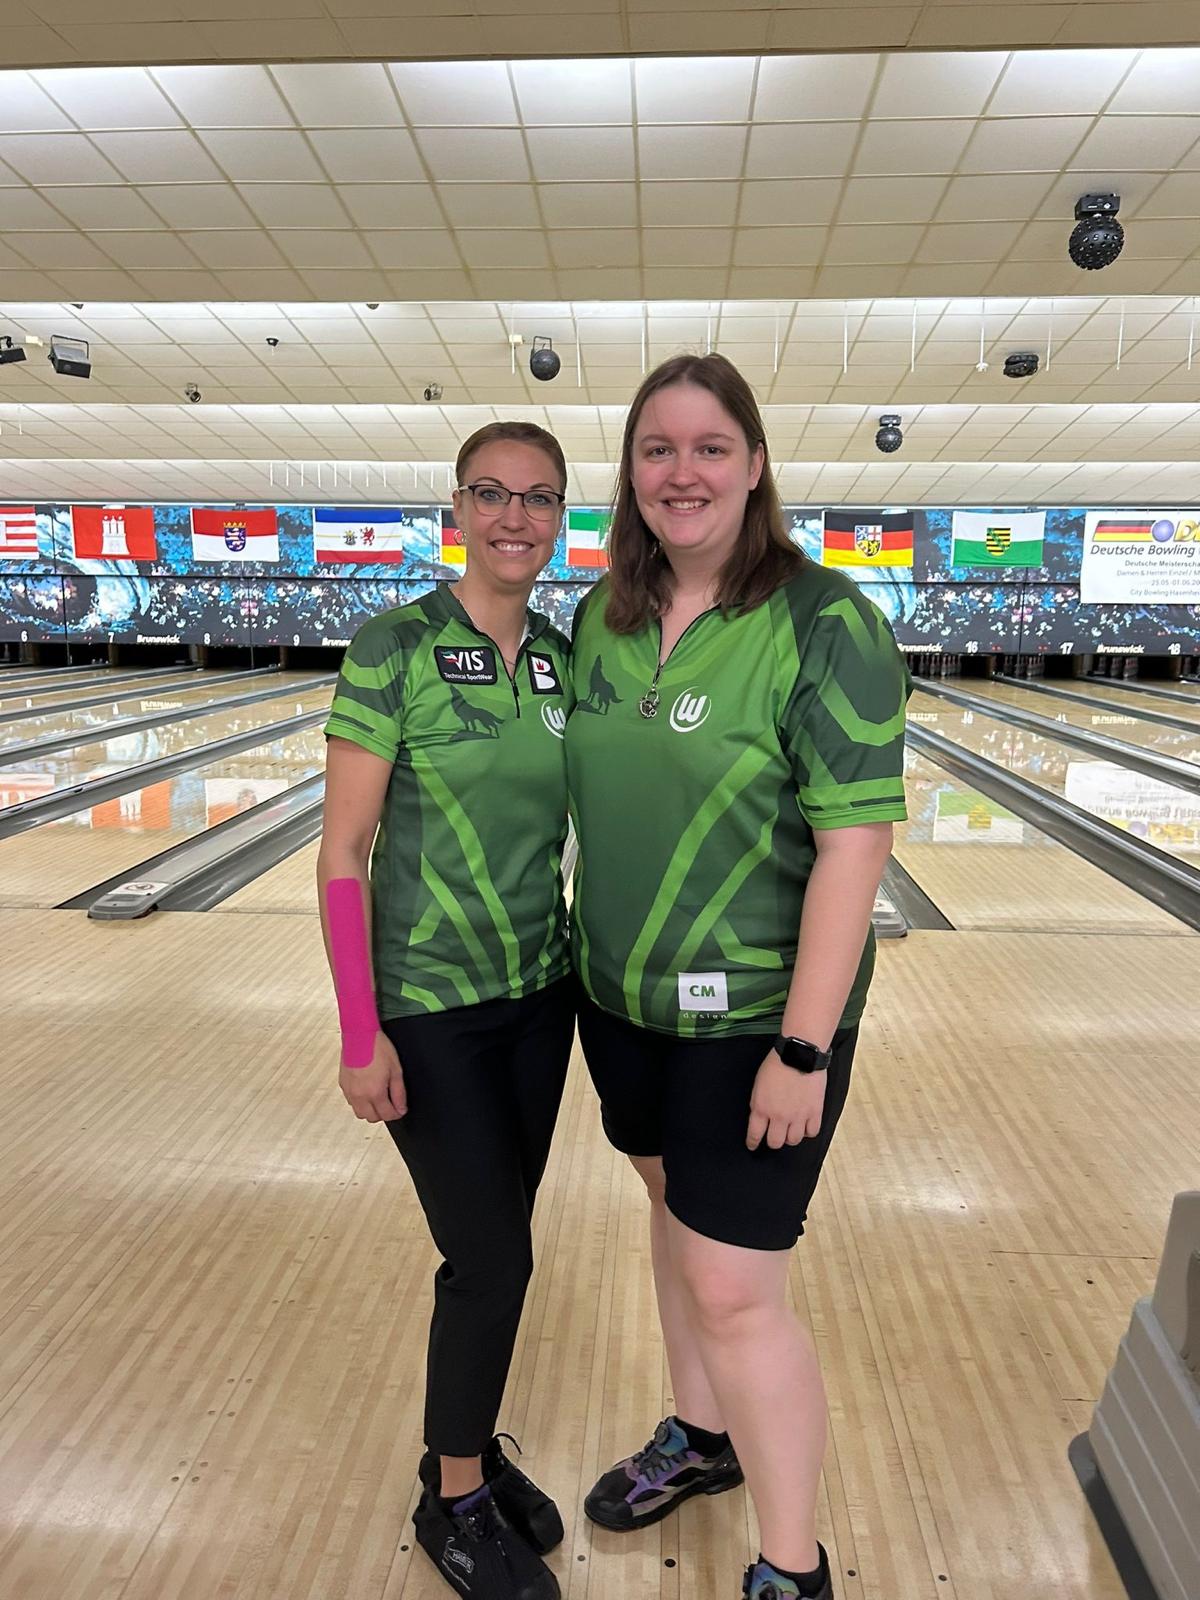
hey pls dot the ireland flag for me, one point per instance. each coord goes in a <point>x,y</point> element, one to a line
<point>586,533</point>
<point>998,538</point>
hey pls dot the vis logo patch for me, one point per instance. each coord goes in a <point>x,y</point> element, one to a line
<point>465,666</point>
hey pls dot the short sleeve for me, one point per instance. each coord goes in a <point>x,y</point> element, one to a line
<point>843,723</point>
<point>368,701</point>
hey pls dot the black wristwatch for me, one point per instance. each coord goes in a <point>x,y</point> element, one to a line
<point>800,1054</point>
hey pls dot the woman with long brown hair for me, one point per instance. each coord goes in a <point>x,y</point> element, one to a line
<point>735,767</point>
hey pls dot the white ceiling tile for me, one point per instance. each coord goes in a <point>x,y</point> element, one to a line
<point>26,108</point>
<point>414,249</point>
<point>1178,195</point>
<point>386,205</point>
<point>869,243</point>
<point>1137,144</point>
<point>163,156</point>
<point>778,247</point>
<point>564,153</point>
<point>230,247</point>
<point>22,208</point>
<point>1024,144</point>
<point>1059,82</point>
<point>922,85</point>
<point>198,205</point>
<point>137,250</point>
<point>105,206</point>
<point>574,92</point>
<point>309,248</point>
<point>581,205</point>
<point>912,147</point>
<point>885,200</point>
<point>262,155</point>
<point>490,205</point>
<point>1162,81</point>
<point>691,152</point>
<point>783,200</point>
<point>500,247</point>
<point>812,88</point>
<point>110,97</point>
<point>224,96</point>
<point>800,150</point>
<point>455,93</point>
<point>598,247</point>
<point>361,155</point>
<point>678,204</point>
<point>44,158</point>
<point>57,250</point>
<point>474,154</point>
<point>671,91</point>
<point>295,205</point>
<point>992,199</point>
<point>339,94</point>
<point>704,248</point>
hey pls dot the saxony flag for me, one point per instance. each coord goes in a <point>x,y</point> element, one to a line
<point>997,538</point>
<point>868,539</point>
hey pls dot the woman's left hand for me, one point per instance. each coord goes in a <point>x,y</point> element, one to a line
<point>785,1105</point>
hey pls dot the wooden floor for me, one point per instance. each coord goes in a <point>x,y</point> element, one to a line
<point>214,1283</point>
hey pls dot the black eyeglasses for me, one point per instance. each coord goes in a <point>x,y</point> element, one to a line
<point>539,503</point>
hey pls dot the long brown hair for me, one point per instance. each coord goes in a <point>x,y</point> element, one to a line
<point>511,433</point>
<point>763,558</point>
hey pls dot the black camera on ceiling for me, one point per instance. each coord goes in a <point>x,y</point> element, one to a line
<point>889,438</point>
<point>433,391</point>
<point>10,352</point>
<point>1021,364</point>
<point>1097,238</point>
<point>544,363</point>
<point>192,393</point>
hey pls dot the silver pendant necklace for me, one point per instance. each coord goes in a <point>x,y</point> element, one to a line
<point>648,704</point>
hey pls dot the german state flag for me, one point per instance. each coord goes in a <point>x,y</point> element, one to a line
<point>868,539</point>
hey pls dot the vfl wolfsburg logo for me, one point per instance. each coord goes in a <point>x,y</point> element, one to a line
<point>690,711</point>
<point>555,719</point>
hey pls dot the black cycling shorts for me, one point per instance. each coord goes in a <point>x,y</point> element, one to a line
<point>688,1101</point>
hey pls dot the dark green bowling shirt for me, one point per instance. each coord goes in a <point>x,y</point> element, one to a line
<point>696,827</point>
<point>466,883</point>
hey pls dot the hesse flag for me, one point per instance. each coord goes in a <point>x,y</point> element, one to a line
<point>358,533</point>
<point>235,535</point>
<point>114,533</point>
<point>586,533</point>
<point>454,551</point>
<point>997,539</point>
<point>18,533</point>
<point>868,539</point>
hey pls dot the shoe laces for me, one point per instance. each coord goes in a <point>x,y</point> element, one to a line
<point>767,1592</point>
<point>653,1461</point>
<point>481,1523</point>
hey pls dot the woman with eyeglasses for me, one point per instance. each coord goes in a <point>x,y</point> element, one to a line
<point>440,889</point>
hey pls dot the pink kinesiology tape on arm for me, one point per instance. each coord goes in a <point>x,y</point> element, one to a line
<point>352,971</point>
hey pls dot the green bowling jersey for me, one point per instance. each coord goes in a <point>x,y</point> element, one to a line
<point>696,826</point>
<point>466,882</point>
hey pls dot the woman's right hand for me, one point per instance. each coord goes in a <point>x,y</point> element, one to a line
<point>376,1093</point>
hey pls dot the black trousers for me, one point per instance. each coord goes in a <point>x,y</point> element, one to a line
<point>484,1084</point>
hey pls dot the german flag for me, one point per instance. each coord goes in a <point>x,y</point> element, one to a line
<point>868,539</point>
<point>453,552</point>
<point>1122,529</point>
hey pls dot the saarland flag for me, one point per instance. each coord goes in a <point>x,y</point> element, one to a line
<point>454,551</point>
<point>114,533</point>
<point>234,535</point>
<point>868,539</point>
<point>997,538</point>
<point>18,533</point>
<point>586,533</point>
<point>357,533</point>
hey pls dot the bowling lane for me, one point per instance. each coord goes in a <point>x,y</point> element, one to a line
<point>289,887</point>
<point>1159,813</point>
<point>51,863</point>
<point>94,720</point>
<point>989,870</point>
<point>1128,726</point>
<point>58,769</point>
<point>1131,700</point>
<point>12,699</point>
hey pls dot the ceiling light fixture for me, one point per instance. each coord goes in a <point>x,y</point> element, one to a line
<point>544,362</point>
<point>10,352</point>
<point>1097,238</point>
<point>70,358</point>
<point>889,437</point>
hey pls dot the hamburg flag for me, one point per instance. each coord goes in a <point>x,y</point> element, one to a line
<point>114,533</point>
<point>998,538</point>
<point>234,535</point>
<point>18,533</point>
<point>586,533</point>
<point>868,539</point>
<point>454,551</point>
<point>359,533</point>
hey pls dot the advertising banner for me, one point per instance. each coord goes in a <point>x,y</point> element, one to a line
<point>1145,557</point>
